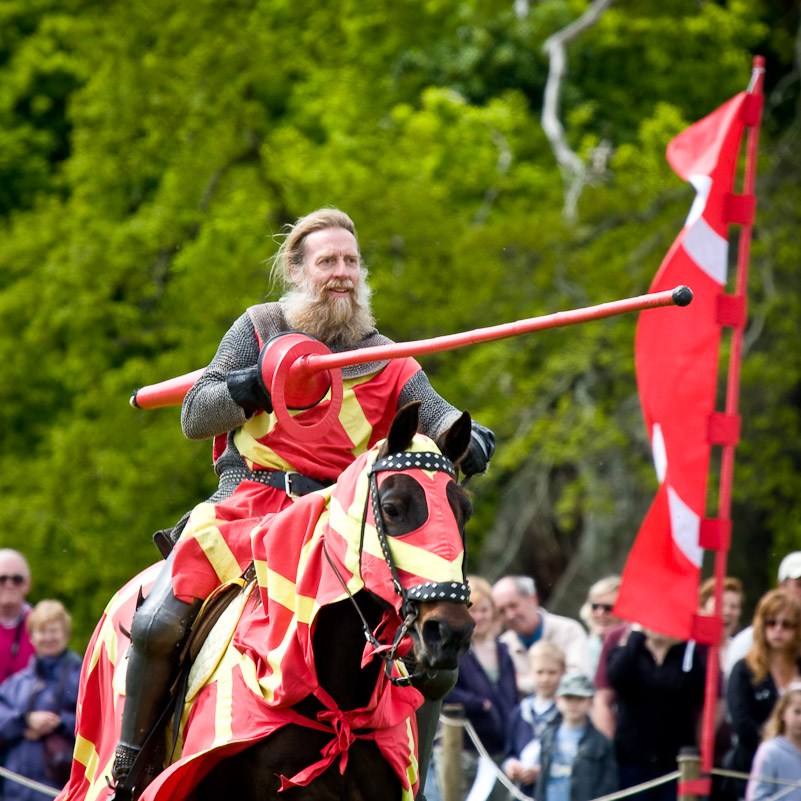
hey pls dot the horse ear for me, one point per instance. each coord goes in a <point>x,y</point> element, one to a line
<point>403,429</point>
<point>456,440</point>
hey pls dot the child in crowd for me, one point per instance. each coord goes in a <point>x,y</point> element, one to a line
<point>779,755</point>
<point>531,716</point>
<point>575,761</point>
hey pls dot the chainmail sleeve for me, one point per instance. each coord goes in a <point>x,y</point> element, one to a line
<point>436,414</point>
<point>208,409</point>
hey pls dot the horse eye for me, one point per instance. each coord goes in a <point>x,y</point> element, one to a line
<point>391,510</point>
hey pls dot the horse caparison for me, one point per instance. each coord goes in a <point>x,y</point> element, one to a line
<point>441,634</point>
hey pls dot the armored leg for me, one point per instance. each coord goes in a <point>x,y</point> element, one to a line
<point>428,719</point>
<point>157,635</point>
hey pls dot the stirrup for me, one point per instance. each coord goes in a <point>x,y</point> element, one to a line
<point>125,757</point>
<point>120,793</point>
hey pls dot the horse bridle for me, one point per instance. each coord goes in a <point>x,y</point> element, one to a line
<point>427,591</point>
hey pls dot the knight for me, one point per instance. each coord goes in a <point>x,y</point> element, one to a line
<point>262,469</point>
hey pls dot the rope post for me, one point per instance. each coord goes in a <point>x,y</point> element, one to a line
<point>691,784</point>
<point>452,744</point>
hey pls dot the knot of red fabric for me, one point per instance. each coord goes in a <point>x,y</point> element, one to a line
<point>343,736</point>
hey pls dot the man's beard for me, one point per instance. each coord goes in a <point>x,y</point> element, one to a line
<point>337,321</point>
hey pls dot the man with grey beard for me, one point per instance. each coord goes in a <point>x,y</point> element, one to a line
<point>262,468</point>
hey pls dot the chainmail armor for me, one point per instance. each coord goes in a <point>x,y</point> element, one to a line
<point>208,409</point>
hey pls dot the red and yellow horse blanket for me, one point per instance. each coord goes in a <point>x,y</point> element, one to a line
<point>241,693</point>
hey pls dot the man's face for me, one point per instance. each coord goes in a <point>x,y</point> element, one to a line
<point>792,585</point>
<point>332,261</point>
<point>329,299</point>
<point>14,583</point>
<point>520,613</point>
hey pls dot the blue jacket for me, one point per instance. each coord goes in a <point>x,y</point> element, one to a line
<point>594,771</point>
<point>474,686</point>
<point>526,725</point>
<point>36,687</point>
<point>776,758</point>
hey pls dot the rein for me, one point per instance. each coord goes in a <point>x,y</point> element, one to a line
<point>455,591</point>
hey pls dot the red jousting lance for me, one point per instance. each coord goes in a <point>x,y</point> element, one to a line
<point>298,371</point>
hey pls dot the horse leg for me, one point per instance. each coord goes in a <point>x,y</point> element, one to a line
<point>434,688</point>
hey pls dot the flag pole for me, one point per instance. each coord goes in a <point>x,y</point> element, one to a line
<point>754,116</point>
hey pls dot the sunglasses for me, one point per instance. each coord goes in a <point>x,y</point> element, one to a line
<point>785,624</point>
<point>606,607</point>
<point>15,579</point>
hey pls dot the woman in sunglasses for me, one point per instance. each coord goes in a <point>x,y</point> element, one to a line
<point>596,613</point>
<point>757,681</point>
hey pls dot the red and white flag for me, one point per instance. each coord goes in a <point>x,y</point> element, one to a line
<point>676,355</point>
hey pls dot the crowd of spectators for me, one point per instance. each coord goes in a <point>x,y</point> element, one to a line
<point>565,713</point>
<point>625,699</point>
<point>39,691</point>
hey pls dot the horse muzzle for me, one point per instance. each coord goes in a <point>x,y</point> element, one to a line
<point>442,635</point>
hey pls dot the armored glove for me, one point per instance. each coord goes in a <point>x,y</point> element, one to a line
<point>248,391</point>
<point>479,452</point>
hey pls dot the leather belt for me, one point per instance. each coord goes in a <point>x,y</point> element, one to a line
<point>291,482</point>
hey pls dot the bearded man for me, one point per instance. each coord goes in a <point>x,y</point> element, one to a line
<point>261,468</point>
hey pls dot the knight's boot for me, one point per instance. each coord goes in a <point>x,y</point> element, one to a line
<point>158,630</point>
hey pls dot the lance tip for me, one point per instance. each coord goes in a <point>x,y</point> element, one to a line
<point>682,295</point>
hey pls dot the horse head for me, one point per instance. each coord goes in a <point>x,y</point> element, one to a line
<point>418,514</point>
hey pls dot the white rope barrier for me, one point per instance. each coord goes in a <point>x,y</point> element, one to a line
<point>30,783</point>
<point>788,785</point>
<point>515,791</point>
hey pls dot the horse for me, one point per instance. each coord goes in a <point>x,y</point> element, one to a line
<point>358,610</point>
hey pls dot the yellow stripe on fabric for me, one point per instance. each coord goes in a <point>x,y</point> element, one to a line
<point>202,527</point>
<point>303,558</point>
<point>203,515</point>
<point>86,753</point>
<point>247,443</point>
<point>351,416</point>
<point>343,524</point>
<point>218,639</point>
<point>275,657</point>
<point>222,680</point>
<point>223,683</point>
<point>98,784</point>
<point>251,678</point>
<point>223,719</point>
<point>282,590</point>
<point>416,560</point>
<point>261,573</point>
<point>411,766</point>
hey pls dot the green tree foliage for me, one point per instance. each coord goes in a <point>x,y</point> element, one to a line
<point>151,151</point>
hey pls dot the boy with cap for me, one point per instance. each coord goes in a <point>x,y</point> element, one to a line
<point>577,762</point>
